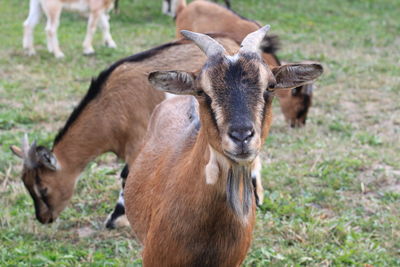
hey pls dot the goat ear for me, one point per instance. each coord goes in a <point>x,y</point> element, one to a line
<point>17,151</point>
<point>295,75</point>
<point>46,158</point>
<point>174,82</point>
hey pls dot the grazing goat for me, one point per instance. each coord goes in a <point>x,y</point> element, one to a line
<point>189,195</point>
<point>206,17</point>
<point>98,12</point>
<point>113,116</point>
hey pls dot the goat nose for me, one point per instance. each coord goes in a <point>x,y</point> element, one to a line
<point>240,136</point>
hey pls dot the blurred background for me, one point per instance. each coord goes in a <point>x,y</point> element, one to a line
<point>332,188</point>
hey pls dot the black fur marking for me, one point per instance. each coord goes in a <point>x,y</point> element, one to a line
<point>97,84</point>
<point>125,172</point>
<point>119,210</point>
<point>37,199</point>
<point>240,96</point>
<point>124,175</point>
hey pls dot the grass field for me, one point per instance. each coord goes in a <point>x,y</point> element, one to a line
<point>332,188</point>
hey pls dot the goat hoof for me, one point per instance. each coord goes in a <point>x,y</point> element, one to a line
<point>110,224</point>
<point>59,55</point>
<point>118,222</point>
<point>88,52</point>
<point>111,44</point>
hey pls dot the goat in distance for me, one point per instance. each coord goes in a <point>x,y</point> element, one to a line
<point>98,13</point>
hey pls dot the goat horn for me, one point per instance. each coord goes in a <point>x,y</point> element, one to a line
<point>31,157</point>
<point>252,42</point>
<point>25,145</point>
<point>208,45</point>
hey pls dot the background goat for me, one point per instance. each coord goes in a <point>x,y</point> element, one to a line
<point>205,17</point>
<point>189,196</point>
<point>97,9</point>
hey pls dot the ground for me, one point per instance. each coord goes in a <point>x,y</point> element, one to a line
<point>332,188</point>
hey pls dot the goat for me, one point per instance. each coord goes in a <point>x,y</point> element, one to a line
<point>188,195</point>
<point>98,12</point>
<point>113,116</point>
<point>205,17</point>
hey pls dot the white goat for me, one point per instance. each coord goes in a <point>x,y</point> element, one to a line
<point>97,10</point>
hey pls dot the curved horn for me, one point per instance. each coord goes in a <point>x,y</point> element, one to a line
<point>252,42</point>
<point>208,45</point>
<point>25,145</point>
<point>31,160</point>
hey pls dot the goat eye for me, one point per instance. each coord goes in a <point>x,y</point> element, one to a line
<point>271,86</point>
<point>200,93</point>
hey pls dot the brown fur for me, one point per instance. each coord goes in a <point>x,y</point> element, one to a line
<point>205,17</point>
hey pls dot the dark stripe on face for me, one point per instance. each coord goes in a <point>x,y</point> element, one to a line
<point>35,201</point>
<point>42,192</point>
<point>238,92</point>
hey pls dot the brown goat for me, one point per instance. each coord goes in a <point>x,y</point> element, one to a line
<point>97,10</point>
<point>207,17</point>
<point>113,116</point>
<point>189,195</point>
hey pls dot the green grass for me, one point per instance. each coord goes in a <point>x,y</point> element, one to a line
<point>332,189</point>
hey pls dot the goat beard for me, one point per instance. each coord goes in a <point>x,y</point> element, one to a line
<point>239,190</point>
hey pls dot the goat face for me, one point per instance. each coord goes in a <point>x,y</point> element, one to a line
<point>235,93</point>
<point>234,101</point>
<point>232,92</point>
<point>39,175</point>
